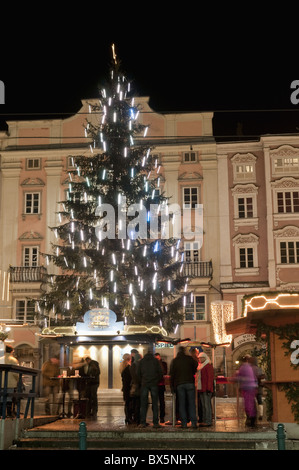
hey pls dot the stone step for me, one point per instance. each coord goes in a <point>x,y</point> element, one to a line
<point>153,439</point>
<point>115,444</point>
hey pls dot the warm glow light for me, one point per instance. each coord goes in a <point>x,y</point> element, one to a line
<point>281,301</point>
<point>221,312</point>
<point>81,351</point>
<point>93,352</point>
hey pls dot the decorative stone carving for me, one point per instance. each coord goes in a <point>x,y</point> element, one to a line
<point>33,182</point>
<point>31,236</point>
<point>244,158</point>
<point>290,231</point>
<point>286,182</point>
<point>245,189</point>
<point>245,239</point>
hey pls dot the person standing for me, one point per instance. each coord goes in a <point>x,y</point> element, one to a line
<point>205,387</point>
<point>150,374</point>
<point>260,376</point>
<point>50,370</point>
<point>182,371</point>
<point>161,388</point>
<point>92,385</point>
<point>194,352</point>
<point>135,386</point>
<point>12,380</point>
<point>248,386</point>
<point>125,373</point>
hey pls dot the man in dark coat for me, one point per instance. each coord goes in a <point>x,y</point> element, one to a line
<point>92,385</point>
<point>182,382</point>
<point>150,374</point>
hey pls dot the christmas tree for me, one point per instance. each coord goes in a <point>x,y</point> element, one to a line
<point>113,247</point>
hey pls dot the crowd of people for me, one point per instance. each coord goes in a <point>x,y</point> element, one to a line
<point>191,380</point>
<point>144,376</point>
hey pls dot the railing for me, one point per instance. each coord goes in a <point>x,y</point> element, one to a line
<point>15,395</point>
<point>198,269</point>
<point>27,273</point>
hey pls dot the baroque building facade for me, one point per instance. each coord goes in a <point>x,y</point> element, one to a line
<point>249,191</point>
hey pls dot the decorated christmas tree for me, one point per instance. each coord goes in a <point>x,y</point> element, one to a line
<point>113,248</point>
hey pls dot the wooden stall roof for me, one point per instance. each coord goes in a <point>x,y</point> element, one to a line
<point>276,317</point>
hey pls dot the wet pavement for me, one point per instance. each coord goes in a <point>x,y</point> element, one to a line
<point>230,417</point>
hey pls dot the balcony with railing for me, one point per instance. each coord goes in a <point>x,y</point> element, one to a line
<point>27,273</point>
<point>202,269</point>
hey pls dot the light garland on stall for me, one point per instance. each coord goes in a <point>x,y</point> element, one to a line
<point>271,301</point>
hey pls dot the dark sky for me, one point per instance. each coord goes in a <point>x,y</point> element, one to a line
<point>184,61</point>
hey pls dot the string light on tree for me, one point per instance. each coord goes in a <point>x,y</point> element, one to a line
<point>141,277</point>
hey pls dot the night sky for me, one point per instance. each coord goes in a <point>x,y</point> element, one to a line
<point>184,61</point>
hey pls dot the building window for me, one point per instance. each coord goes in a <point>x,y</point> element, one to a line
<point>190,197</point>
<point>246,254</point>
<point>244,171</point>
<point>190,157</point>
<point>288,201</point>
<point>286,165</point>
<point>244,167</point>
<point>246,258</point>
<point>245,207</point>
<point>196,310</point>
<point>33,163</point>
<point>25,311</point>
<point>31,256</point>
<point>32,203</point>
<point>191,252</point>
<point>289,252</point>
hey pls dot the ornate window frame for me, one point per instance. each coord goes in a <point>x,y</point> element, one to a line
<point>249,240</point>
<point>245,190</point>
<point>284,184</point>
<point>284,153</point>
<point>289,233</point>
<point>244,160</point>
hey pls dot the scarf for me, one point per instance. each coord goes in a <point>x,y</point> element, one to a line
<point>201,365</point>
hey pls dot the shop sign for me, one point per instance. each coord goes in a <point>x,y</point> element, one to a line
<point>99,321</point>
<point>163,345</point>
<point>246,338</point>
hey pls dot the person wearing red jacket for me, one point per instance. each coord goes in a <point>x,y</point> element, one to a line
<point>205,387</point>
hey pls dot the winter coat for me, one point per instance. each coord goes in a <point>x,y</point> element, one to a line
<point>135,380</point>
<point>94,372</point>
<point>149,371</point>
<point>50,369</point>
<point>182,370</point>
<point>246,377</point>
<point>163,365</point>
<point>126,381</point>
<point>207,378</point>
